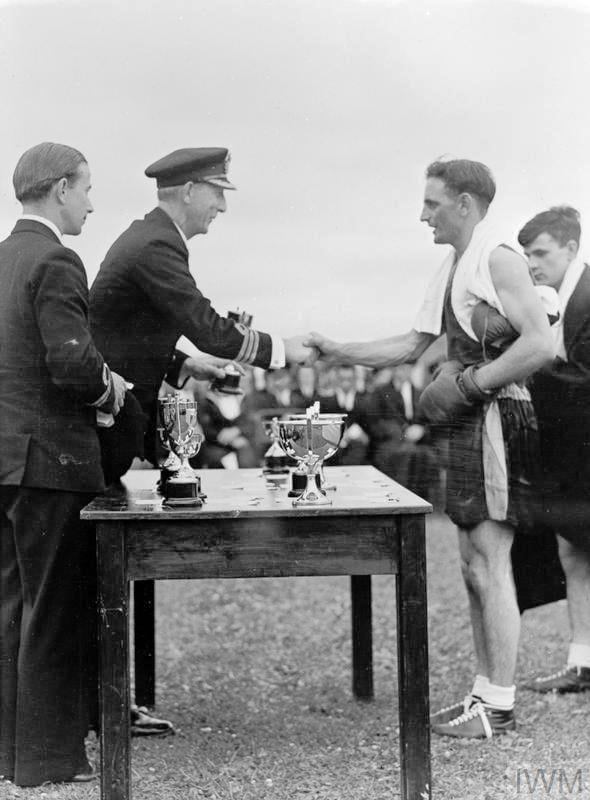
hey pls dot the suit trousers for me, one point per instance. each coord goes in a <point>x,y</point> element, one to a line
<point>47,608</point>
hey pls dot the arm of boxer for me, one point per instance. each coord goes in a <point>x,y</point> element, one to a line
<point>378,353</point>
<point>534,347</point>
<point>491,328</point>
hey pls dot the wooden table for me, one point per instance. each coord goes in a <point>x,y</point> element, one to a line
<point>248,530</point>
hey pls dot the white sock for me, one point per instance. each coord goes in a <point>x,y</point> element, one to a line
<point>578,655</point>
<point>499,696</point>
<point>480,684</point>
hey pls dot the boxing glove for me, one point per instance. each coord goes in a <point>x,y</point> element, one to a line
<point>453,393</point>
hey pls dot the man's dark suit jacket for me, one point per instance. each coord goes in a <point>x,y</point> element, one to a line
<point>50,369</point>
<point>562,402</point>
<point>561,396</point>
<point>144,299</point>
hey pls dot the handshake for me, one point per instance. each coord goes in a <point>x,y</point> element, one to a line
<point>453,394</point>
<point>300,350</point>
<point>205,367</point>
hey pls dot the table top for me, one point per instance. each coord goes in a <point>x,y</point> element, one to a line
<point>361,490</point>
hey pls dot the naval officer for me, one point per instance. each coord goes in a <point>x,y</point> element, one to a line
<point>145,298</point>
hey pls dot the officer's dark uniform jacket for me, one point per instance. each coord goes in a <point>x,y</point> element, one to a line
<point>50,370</point>
<point>144,299</point>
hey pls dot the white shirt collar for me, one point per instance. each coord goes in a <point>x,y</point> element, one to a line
<point>181,232</point>
<point>47,222</point>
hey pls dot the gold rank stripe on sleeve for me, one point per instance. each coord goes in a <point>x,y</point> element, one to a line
<point>249,346</point>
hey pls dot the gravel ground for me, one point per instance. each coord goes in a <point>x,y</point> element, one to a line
<point>256,677</point>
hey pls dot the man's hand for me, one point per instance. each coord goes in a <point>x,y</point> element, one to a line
<point>119,389</point>
<point>326,349</point>
<point>205,368</point>
<point>299,352</point>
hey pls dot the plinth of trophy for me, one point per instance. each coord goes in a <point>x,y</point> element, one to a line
<point>181,492</point>
<point>299,482</point>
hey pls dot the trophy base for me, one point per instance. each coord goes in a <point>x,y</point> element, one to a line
<point>312,499</point>
<point>299,484</point>
<point>165,476</point>
<point>183,493</point>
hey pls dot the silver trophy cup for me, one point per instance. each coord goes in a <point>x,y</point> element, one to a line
<point>179,421</point>
<point>321,477</point>
<point>310,440</point>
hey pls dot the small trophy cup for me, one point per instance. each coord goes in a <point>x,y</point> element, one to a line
<point>275,459</point>
<point>310,440</point>
<point>230,383</point>
<point>320,475</point>
<point>179,419</point>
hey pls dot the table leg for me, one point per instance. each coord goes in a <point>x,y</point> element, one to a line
<point>412,650</point>
<point>113,607</point>
<point>144,643</point>
<point>362,637</point>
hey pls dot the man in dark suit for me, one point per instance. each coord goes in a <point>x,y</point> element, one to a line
<point>561,395</point>
<point>52,382</point>
<point>144,297</point>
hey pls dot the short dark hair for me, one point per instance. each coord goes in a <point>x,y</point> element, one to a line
<point>43,165</point>
<point>560,222</point>
<point>461,175</point>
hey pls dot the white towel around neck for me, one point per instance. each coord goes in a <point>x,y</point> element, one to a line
<point>472,282</point>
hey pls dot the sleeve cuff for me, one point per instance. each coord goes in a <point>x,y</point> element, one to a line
<point>106,379</point>
<point>277,356</point>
